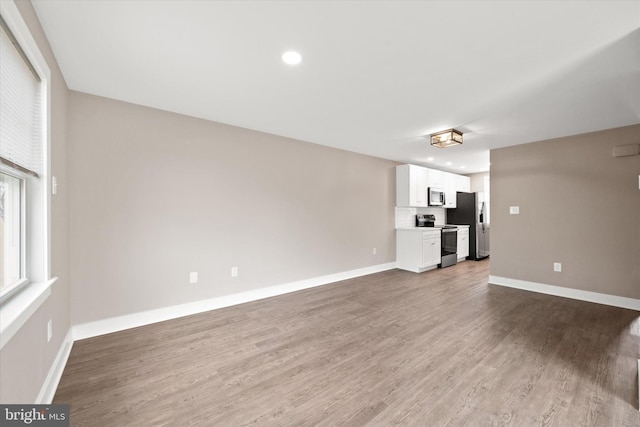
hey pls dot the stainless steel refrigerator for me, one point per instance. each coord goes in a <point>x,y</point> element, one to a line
<point>471,210</point>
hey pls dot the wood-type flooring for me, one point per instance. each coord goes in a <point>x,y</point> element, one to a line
<point>441,348</point>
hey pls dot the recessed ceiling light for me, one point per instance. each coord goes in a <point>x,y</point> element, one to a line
<point>448,163</point>
<point>291,57</point>
<point>429,159</point>
<point>462,167</point>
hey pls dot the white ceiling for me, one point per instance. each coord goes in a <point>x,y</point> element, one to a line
<point>376,76</point>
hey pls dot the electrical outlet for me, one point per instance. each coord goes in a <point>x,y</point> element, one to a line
<point>54,185</point>
<point>557,267</point>
<point>234,271</point>
<point>514,210</point>
<point>375,251</point>
<point>49,330</point>
<point>193,277</point>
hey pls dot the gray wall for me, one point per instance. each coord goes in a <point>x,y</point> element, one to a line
<point>157,195</point>
<point>578,205</point>
<point>27,357</point>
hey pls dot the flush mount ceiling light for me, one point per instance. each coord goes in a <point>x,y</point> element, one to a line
<point>446,138</point>
<point>291,57</point>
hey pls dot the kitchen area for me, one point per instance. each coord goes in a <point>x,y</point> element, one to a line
<point>439,220</point>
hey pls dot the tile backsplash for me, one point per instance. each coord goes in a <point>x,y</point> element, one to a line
<point>406,217</point>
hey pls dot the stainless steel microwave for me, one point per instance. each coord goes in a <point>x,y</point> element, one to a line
<point>436,196</point>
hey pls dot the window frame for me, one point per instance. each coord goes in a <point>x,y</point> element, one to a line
<point>16,309</point>
<point>23,280</point>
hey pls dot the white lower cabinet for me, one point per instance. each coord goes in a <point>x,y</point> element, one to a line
<point>417,250</point>
<point>430,250</point>
<point>463,243</point>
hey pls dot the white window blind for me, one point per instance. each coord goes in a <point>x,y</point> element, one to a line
<point>20,108</point>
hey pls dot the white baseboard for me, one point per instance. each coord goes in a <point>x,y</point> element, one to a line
<point>114,324</point>
<point>48,390</point>
<point>606,299</point>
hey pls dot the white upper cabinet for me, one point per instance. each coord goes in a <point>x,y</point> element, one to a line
<point>450,188</point>
<point>463,183</point>
<point>452,184</point>
<point>411,186</point>
<point>413,182</point>
<point>435,178</point>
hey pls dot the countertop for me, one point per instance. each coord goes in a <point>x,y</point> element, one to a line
<point>437,227</point>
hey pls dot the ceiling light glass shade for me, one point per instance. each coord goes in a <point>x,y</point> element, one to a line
<point>447,138</point>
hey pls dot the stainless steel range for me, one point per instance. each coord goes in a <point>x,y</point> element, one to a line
<point>449,246</point>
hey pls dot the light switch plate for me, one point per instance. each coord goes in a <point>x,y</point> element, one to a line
<point>514,210</point>
<point>557,267</point>
<point>193,277</point>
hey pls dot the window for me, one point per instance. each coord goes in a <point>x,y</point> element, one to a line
<point>25,112</point>
<point>11,226</point>
<point>23,210</point>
